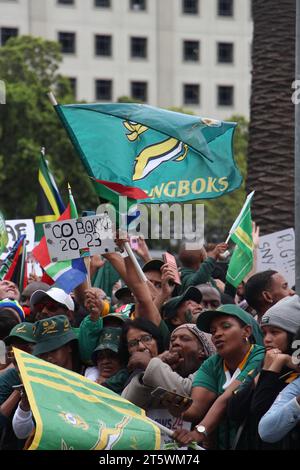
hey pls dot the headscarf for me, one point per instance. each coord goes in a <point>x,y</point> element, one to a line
<point>204,338</point>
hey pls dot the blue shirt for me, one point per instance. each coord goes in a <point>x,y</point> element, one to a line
<point>283,415</point>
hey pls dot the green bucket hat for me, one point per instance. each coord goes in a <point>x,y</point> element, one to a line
<point>109,339</point>
<point>52,333</point>
<point>22,331</point>
<point>169,309</point>
<point>204,319</point>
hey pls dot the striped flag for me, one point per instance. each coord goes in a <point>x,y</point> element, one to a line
<point>73,413</point>
<point>14,267</point>
<point>50,205</point>
<point>66,274</point>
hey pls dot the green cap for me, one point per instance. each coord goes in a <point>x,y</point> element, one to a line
<point>52,333</point>
<point>204,319</point>
<point>109,339</point>
<point>169,309</point>
<point>22,331</point>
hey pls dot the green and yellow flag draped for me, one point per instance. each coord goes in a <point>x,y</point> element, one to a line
<point>73,413</point>
<point>241,261</point>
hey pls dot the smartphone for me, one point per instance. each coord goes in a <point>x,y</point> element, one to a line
<point>134,243</point>
<point>162,393</point>
<point>171,260</point>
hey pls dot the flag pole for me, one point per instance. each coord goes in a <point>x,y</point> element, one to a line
<point>139,270</point>
<point>52,98</point>
<point>170,433</point>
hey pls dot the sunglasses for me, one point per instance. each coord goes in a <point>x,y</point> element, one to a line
<point>52,306</point>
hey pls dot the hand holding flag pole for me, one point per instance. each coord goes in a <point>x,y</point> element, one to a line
<point>170,433</point>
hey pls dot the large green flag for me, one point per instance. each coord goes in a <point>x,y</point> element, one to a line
<point>73,413</point>
<point>241,261</point>
<point>172,157</point>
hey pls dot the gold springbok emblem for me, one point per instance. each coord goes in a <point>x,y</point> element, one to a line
<point>154,155</point>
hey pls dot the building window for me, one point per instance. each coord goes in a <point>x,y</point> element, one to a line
<point>103,45</point>
<point>138,5</point>
<point>190,7</point>
<point>73,84</point>
<point>67,42</point>
<point>139,91</point>
<point>66,2</point>
<point>225,52</point>
<point>191,94</point>
<point>104,90</point>
<point>191,51</point>
<point>138,48</point>
<point>225,7</point>
<point>102,3</point>
<point>225,95</point>
<point>6,34</point>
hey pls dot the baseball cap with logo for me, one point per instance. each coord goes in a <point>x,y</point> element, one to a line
<point>59,295</point>
<point>109,339</point>
<point>52,333</point>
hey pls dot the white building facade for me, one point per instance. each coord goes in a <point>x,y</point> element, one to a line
<point>194,54</point>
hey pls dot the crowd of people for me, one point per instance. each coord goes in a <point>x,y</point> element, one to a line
<point>220,366</point>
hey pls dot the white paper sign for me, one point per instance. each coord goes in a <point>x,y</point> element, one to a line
<point>162,416</point>
<point>277,252</point>
<point>71,239</point>
<point>16,228</point>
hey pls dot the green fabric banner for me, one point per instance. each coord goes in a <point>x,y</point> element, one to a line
<point>173,157</point>
<point>73,413</point>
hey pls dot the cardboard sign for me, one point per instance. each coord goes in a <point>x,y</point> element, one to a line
<point>16,228</point>
<point>71,239</point>
<point>277,252</point>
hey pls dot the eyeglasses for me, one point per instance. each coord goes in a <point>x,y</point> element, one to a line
<point>145,339</point>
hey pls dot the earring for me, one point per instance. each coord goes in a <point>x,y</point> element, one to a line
<point>246,339</point>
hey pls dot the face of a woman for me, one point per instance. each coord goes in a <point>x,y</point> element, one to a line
<point>140,340</point>
<point>108,363</point>
<point>275,337</point>
<point>228,335</point>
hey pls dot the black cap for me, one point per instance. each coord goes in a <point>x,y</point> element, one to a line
<point>122,291</point>
<point>169,309</point>
<point>153,265</point>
